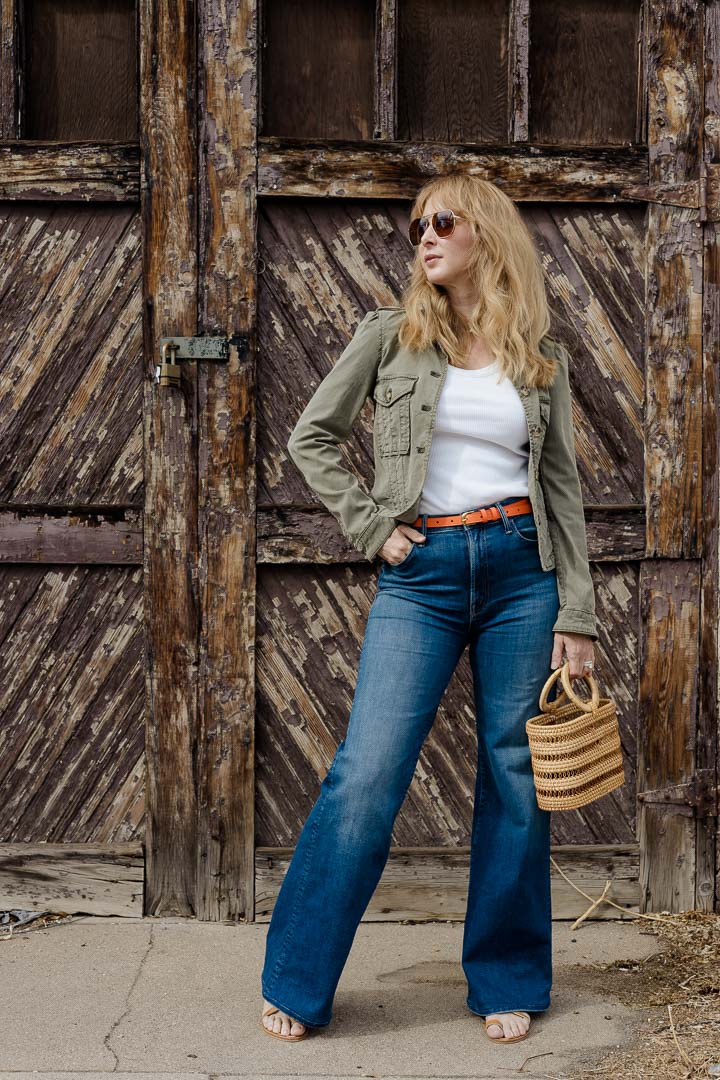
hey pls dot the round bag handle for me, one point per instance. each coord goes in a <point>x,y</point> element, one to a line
<point>561,699</point>
<point>567,691</point>
<point>587,706</point>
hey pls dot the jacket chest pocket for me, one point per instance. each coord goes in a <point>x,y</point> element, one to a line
<point>392,396</point>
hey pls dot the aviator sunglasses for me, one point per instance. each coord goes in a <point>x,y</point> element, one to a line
<point>443,222</point>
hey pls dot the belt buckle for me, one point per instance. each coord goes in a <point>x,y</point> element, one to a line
<point>463,516</point>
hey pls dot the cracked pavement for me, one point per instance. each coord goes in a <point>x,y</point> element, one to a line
<point>179,999</point>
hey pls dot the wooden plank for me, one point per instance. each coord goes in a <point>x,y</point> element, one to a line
<point>345,169</point>
<point>668,703</point>
<point>298,535</point>
<point>423,884</point>
<point>584,71</point>
<point>708,736</point>
<point>226,470</point>
<point>386,58</point>
<point>87,879</point>
<point>168,60</point>
<point>111,536</point>
<point>670,592</point>
<point>76,171</point>
<point>453,79</point>
<point>79,70</point>
<point>10,82</point>
<point>673,404</point>
<point>519,70</point>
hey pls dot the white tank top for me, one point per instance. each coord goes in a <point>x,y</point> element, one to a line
<point>480,446</point>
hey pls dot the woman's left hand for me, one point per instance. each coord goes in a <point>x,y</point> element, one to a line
<point>579,648</point>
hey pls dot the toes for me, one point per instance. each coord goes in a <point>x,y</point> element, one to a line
<point>283,1024</point>
<point>506,1026</point>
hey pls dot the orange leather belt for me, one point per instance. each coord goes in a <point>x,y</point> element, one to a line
<point>469,517</point>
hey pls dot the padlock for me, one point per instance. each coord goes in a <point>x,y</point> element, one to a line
<point>168,373</point>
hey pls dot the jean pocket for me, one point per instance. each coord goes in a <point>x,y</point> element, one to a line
<point>406,560</point>
<point>524,527</point>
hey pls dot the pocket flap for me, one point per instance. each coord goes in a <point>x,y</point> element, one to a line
<point>389,388</point>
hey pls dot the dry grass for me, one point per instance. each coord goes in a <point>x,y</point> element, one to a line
<point>682,977</point>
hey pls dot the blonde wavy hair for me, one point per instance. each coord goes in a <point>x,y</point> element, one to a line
<point>512,312</point>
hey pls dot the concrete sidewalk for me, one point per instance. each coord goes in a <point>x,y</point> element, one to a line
<point>173,998</point>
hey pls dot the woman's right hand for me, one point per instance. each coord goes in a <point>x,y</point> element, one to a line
<point>397,546</point>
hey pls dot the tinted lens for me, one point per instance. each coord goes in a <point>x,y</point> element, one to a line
<point>443,222</point>
<point>417,228</point>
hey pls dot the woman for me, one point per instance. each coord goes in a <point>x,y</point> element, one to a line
<point>476,514</point>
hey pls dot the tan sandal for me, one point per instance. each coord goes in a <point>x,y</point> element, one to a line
<point>268,1011</point>
<point>498,1023</point>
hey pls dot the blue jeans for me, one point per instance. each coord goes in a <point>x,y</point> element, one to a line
<point>479,585</point>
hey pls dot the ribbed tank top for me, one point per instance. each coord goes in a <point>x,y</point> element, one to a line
<point>480,446</point>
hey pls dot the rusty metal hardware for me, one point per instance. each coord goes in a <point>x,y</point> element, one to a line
<point>702,194</point>
<point>215,348</point>
<point>695,797</point>
<point>168,372</point>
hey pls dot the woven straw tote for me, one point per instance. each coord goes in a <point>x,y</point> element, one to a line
<point>575,746</point>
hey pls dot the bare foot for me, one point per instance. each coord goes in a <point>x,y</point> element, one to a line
<point>508,1024</point>
<point>281,1022</point>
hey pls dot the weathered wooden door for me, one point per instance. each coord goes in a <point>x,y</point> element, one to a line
<point>181,619</point>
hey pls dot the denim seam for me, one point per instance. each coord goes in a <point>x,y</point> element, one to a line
<point>482,777</point>
<point>507,1008</point>
<point>282,951</point>
<point>468,540</point>
<point>527,539</point>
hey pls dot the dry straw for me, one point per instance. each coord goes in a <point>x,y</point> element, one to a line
<point>575,746</point>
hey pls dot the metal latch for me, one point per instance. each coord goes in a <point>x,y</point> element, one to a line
<point>702,194</point>
<point>695,797</point>
<point>216,348</point>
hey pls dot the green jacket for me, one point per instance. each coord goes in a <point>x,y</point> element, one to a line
<point>405,387</point>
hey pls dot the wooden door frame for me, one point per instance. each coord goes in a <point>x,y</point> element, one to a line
<point>200,153</point>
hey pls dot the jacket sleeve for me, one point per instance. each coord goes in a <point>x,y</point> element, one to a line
<point>326,422</point>
<point>566,520</point>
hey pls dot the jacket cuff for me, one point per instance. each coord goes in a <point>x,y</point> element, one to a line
<point>374,536</point>
<point>576,621</point>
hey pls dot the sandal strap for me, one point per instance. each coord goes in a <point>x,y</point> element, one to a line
<point>499,1022</point>
<point>269,1010</point>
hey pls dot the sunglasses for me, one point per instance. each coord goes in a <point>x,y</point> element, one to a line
<point>443,222</point>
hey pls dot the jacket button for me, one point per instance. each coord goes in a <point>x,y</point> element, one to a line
<point>436,374</point>
<point>425,408</point>
<point>388,393</point>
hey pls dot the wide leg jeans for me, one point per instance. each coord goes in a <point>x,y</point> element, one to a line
<point>480,586</point>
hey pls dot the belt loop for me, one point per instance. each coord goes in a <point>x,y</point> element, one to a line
<point>501,508</point>
<point>424,524</point>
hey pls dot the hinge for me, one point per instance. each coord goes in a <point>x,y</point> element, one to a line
<point>702,194</point>
<point>695,797</point>
<point>709,192</point>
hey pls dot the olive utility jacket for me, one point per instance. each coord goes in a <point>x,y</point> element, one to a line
<point>405,387</point>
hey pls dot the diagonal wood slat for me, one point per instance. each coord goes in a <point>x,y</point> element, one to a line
<point>72,701</point>
<point>70,354</point>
